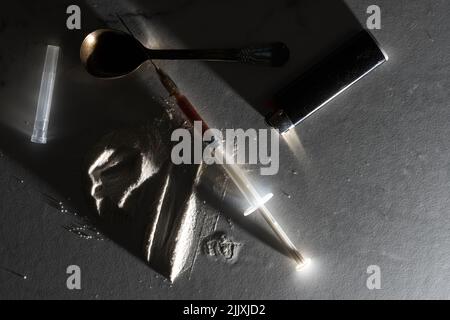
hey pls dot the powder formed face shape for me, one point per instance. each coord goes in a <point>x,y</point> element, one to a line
<point>107,181</point>
<point>127,160</point>
<point>148,203</point>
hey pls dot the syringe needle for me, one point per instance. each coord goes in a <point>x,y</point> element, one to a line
<point>292,250</point>
<point>253,197</point>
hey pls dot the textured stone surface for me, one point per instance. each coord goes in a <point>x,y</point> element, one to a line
<point>368,185</point>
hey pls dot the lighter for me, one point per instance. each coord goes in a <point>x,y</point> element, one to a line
<point>322,83</point>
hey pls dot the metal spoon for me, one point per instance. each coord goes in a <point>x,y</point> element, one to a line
<point>108,53</point>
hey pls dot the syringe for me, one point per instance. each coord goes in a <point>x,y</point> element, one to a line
<point>257,203</point>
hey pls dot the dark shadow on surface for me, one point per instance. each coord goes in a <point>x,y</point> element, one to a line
<point>311,29</point>
<point>84,108</point>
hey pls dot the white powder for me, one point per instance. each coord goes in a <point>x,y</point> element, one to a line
<point>131,172</point>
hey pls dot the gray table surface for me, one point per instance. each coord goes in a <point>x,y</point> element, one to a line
<point>368,184</point>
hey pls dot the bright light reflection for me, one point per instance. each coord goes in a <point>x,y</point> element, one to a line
<point>295,145</point>
<point>260,203</point>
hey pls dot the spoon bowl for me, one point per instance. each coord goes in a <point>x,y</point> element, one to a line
<point>107,53</point>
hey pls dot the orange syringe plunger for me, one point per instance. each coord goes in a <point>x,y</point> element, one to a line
<point>185,105</point>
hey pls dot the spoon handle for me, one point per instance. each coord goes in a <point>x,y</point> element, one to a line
<point>273,54</point>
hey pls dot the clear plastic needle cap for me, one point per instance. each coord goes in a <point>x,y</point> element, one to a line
<point>45,95</point>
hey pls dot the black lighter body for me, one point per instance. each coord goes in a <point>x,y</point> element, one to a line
<point>318,86</point>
